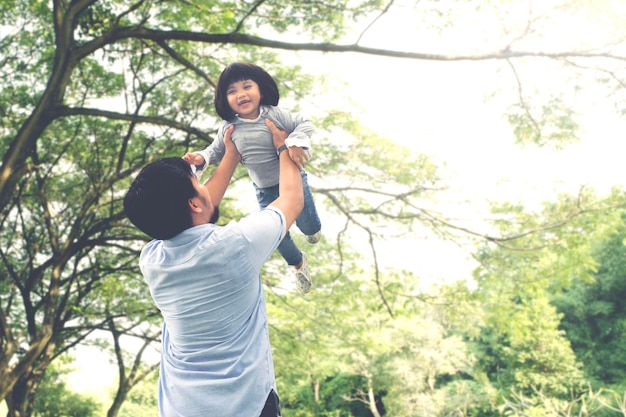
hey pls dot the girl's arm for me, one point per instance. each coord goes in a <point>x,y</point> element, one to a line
<point>300,136</point>
<point>210,155</point>
<point>300,128</point>
<point>299,140</point>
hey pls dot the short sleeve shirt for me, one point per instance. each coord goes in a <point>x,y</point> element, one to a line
<point>216,357</point>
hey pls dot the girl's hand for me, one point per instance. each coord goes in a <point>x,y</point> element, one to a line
<point>299,156</point>
<point>194,159</point>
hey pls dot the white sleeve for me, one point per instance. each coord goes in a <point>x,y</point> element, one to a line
<point>301,128</point>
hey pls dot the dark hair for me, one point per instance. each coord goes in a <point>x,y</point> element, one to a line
<point>157,200</point>
<point>240,71</point>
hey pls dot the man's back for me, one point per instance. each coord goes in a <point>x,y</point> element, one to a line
<point>215,347</point>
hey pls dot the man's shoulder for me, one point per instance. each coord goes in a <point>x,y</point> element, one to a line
<point>269,220</point>
<point>150,248</point>
<point>267,215</point>
<point>266,221</point>
<point>182,240</point>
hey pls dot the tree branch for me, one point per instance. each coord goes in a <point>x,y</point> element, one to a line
<point>184,62</point>
<point>62,111</point>
<point>245,39</point>
<point>382,13</point>
<point>248,14</point>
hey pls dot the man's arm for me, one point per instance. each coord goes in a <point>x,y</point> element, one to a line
<point>291,196</point>
<point>220,179</point>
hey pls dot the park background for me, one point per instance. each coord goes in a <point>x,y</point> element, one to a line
<point>473,206</point>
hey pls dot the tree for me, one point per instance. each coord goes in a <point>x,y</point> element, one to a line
<point>94,90</point>
<point>345,352</point>
<point>588,403</point>
<point>522,347</point>
<point>55,399</point>
<point>594,318</point>
<point>129,377</point>
<point>68,157</point>
<point>142,400</point>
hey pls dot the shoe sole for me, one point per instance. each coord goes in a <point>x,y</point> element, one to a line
<point>303,284</point>
<point>313,239</point>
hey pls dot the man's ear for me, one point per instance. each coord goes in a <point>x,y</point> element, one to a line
<point>193,205</point>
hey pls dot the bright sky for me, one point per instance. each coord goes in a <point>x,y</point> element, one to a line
<point>442,109</point>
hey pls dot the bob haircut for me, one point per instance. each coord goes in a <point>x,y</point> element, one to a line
<point>240,71</point>
<point>157,200</point>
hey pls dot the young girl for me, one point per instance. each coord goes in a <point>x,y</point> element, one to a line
<point>245,96</point>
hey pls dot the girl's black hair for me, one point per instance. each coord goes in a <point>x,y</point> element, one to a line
<point>157,200</point>
<point>240,71</point>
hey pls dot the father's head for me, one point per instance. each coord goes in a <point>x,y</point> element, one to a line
<point>166,198</point>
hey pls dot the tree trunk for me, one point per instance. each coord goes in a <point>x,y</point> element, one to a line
<point>315,386</point>
<point>119,399</point>
<point>20,401</point>
<point>371,398</point>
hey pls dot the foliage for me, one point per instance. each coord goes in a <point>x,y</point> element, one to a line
<point>94,90</point>
<point>594,317</point>
<point>393,357</point>
<point>555,125</point>
<point>94,93</point>
<point>522,347</point>
<point>601,403</point>
<point>335,398</point>
<point>55,399</point>
<point>142,400</point>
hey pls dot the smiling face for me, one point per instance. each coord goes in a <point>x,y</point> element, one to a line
<point>244,98</point>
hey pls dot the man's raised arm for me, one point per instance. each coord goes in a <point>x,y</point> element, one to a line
<point>220,179</point>
<point>291,196</point>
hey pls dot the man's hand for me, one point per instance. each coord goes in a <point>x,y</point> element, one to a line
<point>299,156</point>
<point>229,144</point>
<point>278,136</point>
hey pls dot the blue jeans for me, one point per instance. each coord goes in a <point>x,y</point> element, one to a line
<point>272,406</point>
<point>308,221</point>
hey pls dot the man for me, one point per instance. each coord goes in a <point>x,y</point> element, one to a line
<point>205,279</point>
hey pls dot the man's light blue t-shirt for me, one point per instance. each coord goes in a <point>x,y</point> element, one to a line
<point>216,357</point>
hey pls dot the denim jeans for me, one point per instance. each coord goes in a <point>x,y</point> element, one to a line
<point>272,407</point>
<point>308,221</point>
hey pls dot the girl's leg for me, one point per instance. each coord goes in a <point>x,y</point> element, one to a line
<point>287,248</point>
<point>299,261</point>
<point>289,251</point>
<point>308,221</point>
<point>264,196</point>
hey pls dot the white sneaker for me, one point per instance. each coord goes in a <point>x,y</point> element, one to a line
<point>303,276</point>
<point>314,238</point>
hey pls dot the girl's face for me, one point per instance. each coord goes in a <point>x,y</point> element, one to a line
<point>244,98</point>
